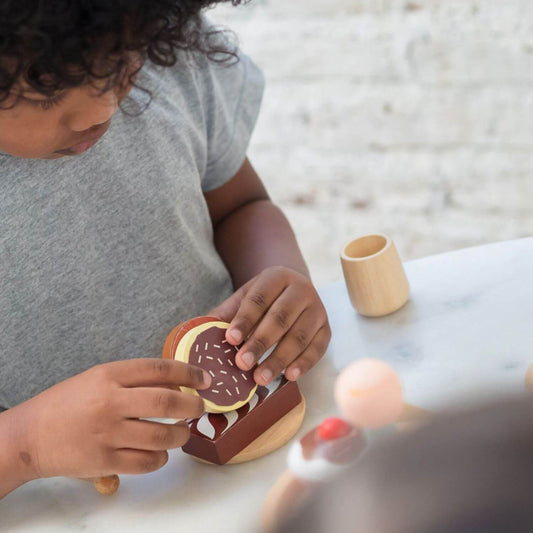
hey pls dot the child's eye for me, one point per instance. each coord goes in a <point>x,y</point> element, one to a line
<point>47,104</point>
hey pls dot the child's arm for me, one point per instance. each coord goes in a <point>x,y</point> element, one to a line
<point>15,460</point>
<point>251,233</point>
<point>92,424</point>
<point>275,298</point>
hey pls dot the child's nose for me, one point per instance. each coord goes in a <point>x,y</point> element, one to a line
<point>93,110</point>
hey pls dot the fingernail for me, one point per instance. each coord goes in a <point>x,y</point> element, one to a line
<point>206,378</point>
<point>248,359</point>
<point>236,335</point>
<point>266,374</point>
<point>203,406</point>
<point>296,374</point>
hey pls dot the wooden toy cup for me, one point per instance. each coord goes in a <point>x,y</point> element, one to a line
<point>374,275</point>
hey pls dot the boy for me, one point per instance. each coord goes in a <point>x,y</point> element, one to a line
<point>117,226</point>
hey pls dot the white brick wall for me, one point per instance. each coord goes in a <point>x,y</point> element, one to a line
<point>409,117</point>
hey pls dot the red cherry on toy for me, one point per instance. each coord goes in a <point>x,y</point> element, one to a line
<point>333,428</point>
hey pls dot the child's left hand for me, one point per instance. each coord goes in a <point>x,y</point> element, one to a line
<point>280,306</point>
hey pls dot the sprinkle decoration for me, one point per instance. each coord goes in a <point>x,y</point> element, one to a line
<point>211,350</point>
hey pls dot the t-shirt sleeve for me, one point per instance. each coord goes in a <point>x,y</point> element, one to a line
<point>232,98</point>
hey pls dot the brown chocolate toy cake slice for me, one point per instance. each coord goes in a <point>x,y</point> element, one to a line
<point>220,438</point>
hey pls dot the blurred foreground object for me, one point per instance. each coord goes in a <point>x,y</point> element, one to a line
<point>466,472</point>
<point>369,395</point>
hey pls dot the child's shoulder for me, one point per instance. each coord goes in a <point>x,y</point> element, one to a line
<point>225,96</point>
<point>195,73</point>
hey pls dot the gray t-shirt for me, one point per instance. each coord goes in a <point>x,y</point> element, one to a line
<point>102,254</point>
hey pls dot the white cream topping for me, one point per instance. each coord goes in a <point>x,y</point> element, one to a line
<point>231,417</point>
<point>205,427</point>
<point>317,469</point>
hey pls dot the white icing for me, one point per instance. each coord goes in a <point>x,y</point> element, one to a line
<point>267,353</point>
<point>313,470</point>
<point>231,417</point>
<point>273,386</point>
<point>162,420</point>
<point>205,427</point>
<point>253,402</point>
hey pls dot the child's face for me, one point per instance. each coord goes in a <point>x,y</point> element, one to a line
<point>67,124</point>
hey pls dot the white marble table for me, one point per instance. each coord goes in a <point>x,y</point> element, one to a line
<point>467,332</point>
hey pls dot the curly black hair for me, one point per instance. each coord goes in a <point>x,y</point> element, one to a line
<point>53,45</point>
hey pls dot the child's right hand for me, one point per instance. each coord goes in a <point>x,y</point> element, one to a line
<point>88,425</point>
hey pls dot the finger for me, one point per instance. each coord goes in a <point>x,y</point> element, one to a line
<point>145,402</point>
<point>227,310</point>
<point>254,304</point>
<point>278,320</point>
<point>129,461</point>
<point>145,372</point>
<point>151,436</point>
<point>311,355</point>
<point>292,345</point>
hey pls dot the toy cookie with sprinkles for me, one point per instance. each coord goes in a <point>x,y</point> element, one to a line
<point>202,342</point>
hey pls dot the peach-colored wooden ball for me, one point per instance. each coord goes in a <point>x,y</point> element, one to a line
<point>369,393</point>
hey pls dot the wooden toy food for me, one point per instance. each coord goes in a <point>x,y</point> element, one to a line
<point>369,395</point>
<point>268,421</point>
<point>326,450</point>
<point>105,485</point>
<point>202,342</point>
<point>242,421</point>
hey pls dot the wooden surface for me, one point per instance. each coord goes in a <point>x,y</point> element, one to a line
<point>285,497</point>
<point>374,275</point>
<point>413,413</point>
<point>106,485</point>
<point>529,378</point>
